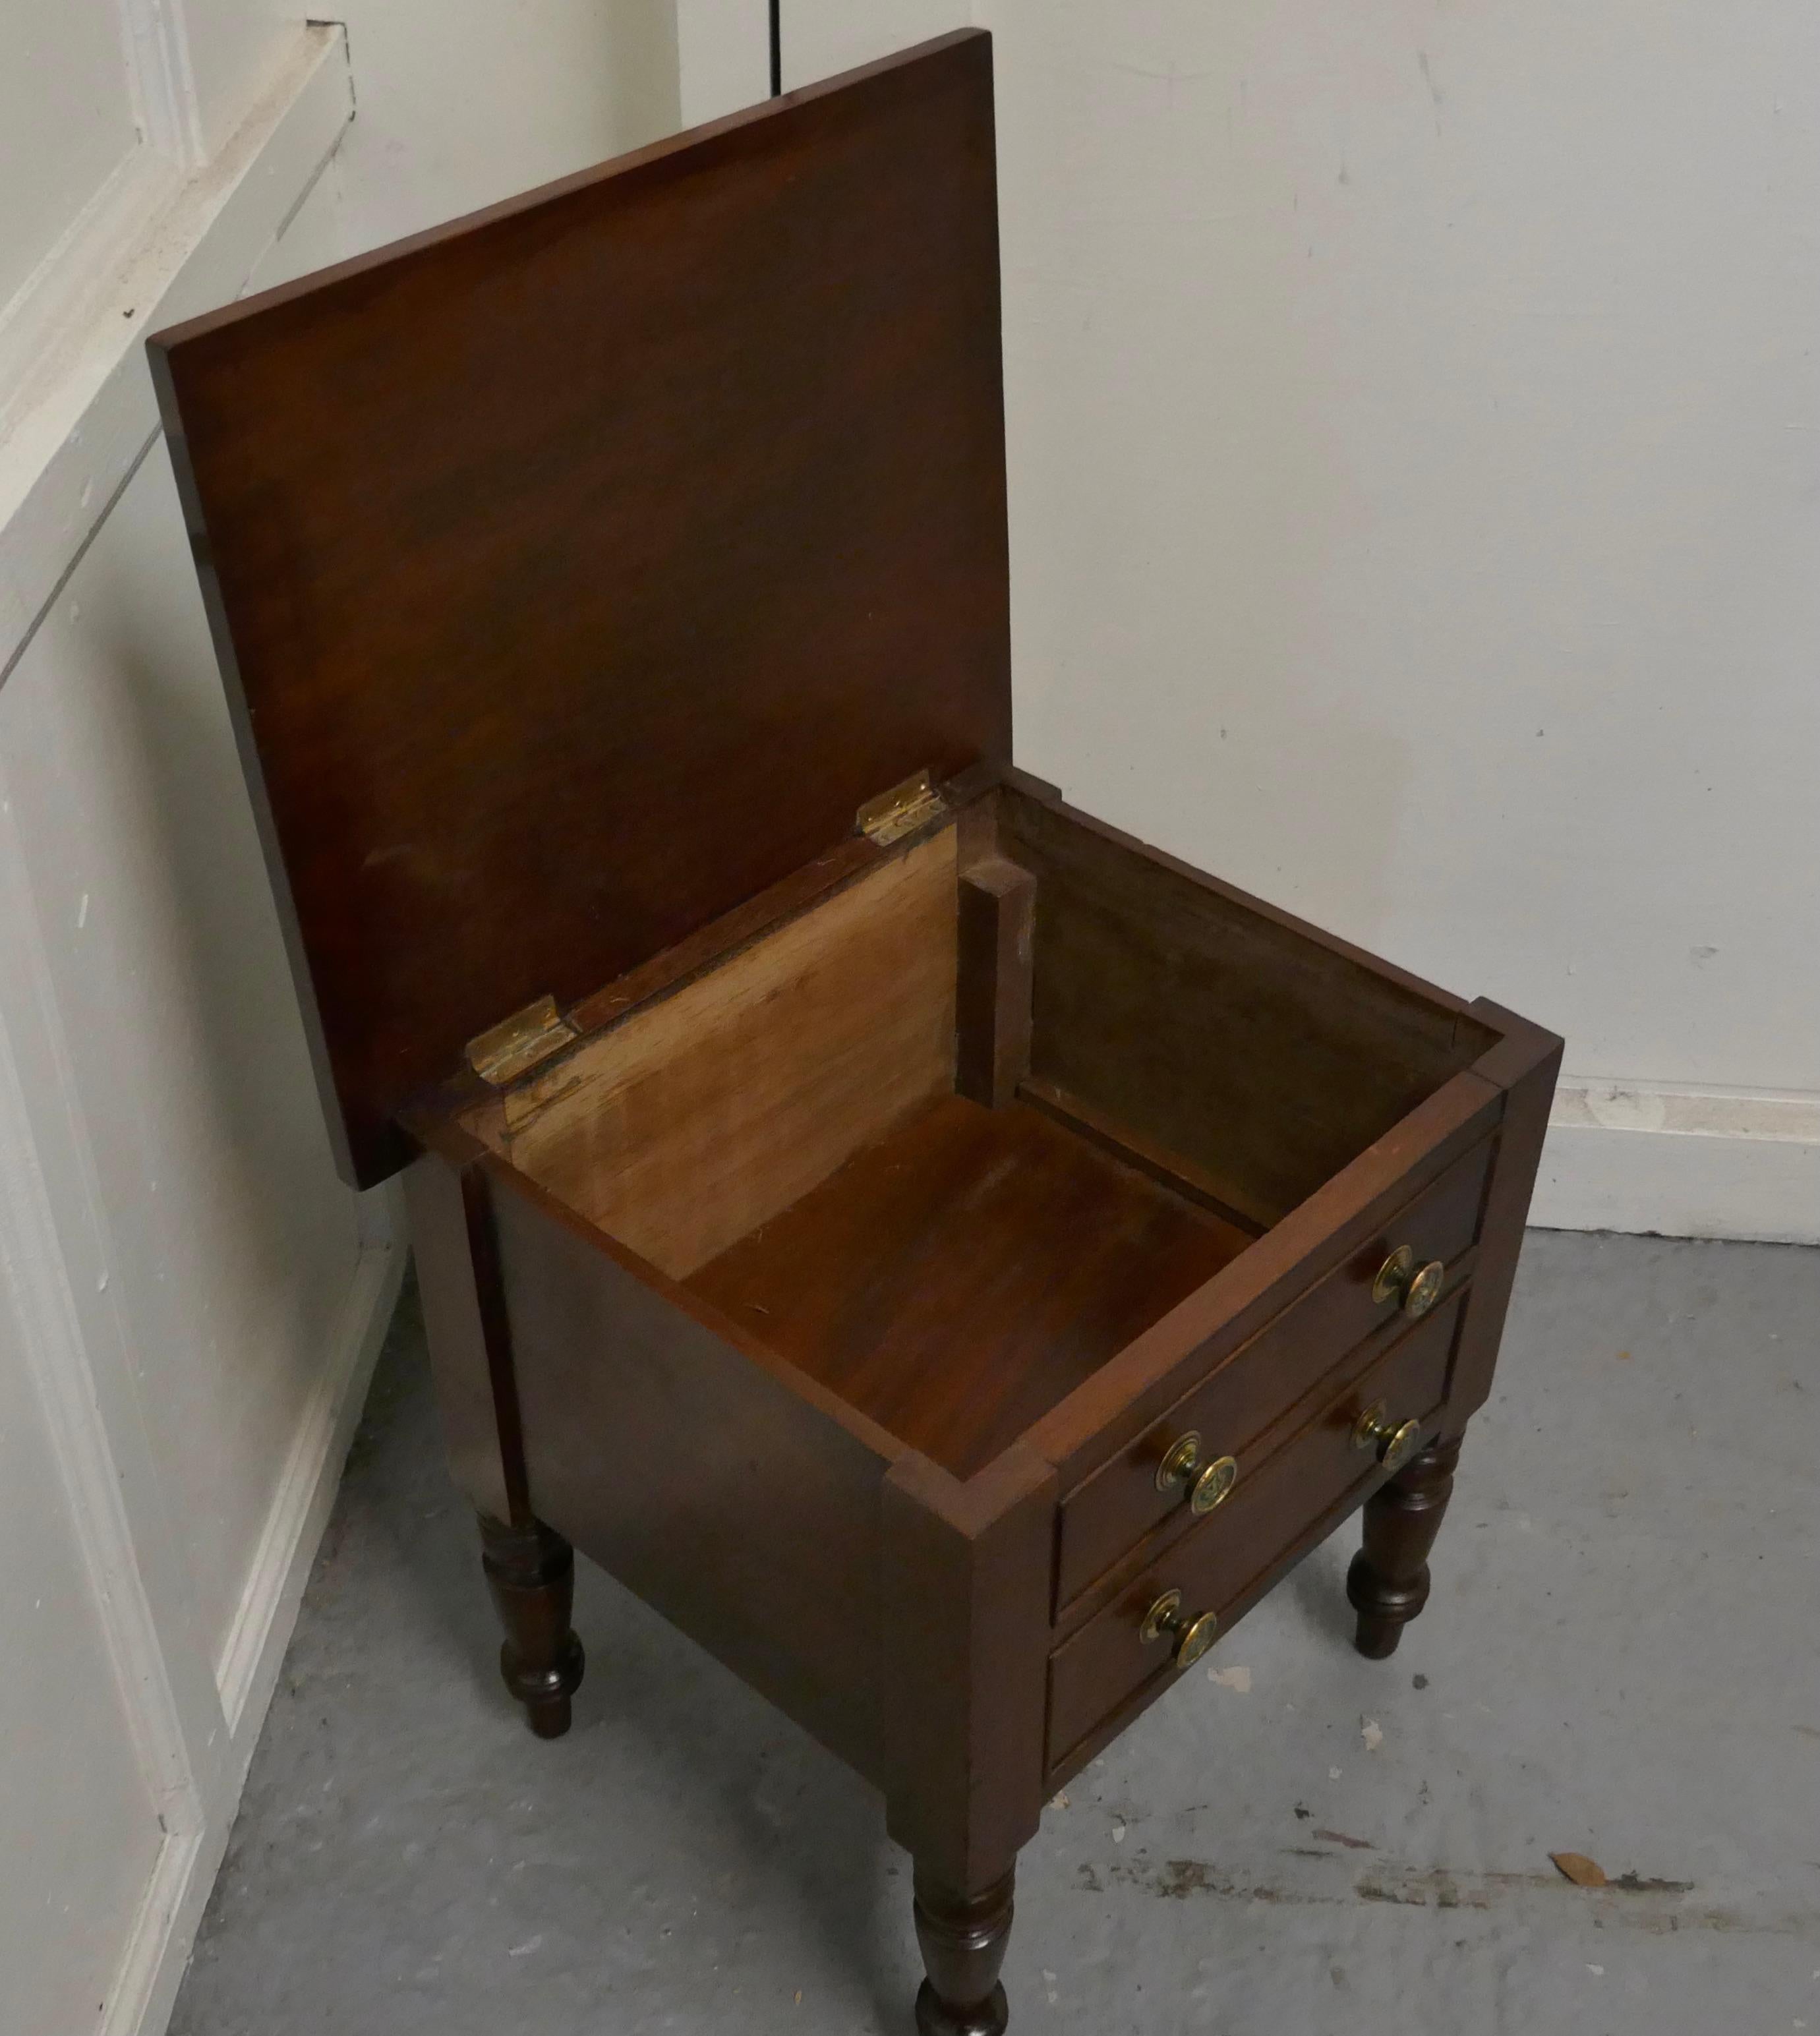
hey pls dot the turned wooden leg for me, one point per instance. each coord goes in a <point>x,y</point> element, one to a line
<point>531,1571</point>
<point>963,1938</point>
<point>1387,1582</point>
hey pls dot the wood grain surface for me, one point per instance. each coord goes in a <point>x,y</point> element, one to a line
<point>578,570</point>
<point>1210,1023</point>
<point>743,1510</point>
<point>1303,1473</point>
<point>700,1117</point>
<point>1245,1391</point>
<point>957,1280</point>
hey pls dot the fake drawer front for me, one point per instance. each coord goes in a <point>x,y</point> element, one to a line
<point>1108,1663</point>
<point>1106,1517</point>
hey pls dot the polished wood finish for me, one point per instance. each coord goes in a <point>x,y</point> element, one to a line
<point>581,570</point>
<point>1525,1063</point>
<point>1388,1583</point>
<point>964,1585</point>
<point>1305,1465</point>
<point>730,1492</point>
<point>1113,1510</point>
<point>963,1940</point>
<point>530,1572</point>
<point>1342,1223</point>
<point>957,1279</point>
<point>581,567</point>
<point>702,1115</point>
<point>1270,1060</point>
<point>446,1202</point>
<point>997,935</point>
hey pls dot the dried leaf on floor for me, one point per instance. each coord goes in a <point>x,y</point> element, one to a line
<point>1583,1872</point>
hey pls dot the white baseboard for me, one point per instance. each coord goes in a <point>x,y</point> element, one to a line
<point>247,1672</point>
<point>1679,1161</point>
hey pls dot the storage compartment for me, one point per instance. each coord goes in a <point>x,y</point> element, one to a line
<point>952,1137</point>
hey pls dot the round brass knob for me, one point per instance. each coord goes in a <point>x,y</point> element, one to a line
<point>1394,1443</point>
<point>1180,1461</point>
<point>1415,1289</point>
<point>1193,1636</point>
<point>1206,1484</point>
<point>1214,1483</point>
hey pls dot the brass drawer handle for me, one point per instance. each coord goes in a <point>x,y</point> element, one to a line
<point>1193,1636</point>
<point>1394,1444</point>
<point>1416,1288</point>
<point>1206,1484</point>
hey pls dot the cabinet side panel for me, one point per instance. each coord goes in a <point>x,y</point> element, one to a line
<point>1527,1060</point>
<point>453,1327</point>
<point>964,1583</point>
<point>741,1512</point>
<point>1266,1057</point>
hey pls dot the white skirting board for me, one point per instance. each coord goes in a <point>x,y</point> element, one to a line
<point>1678,1161</point>
<point>248,1672</point>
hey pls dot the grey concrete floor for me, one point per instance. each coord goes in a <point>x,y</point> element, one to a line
<point>1619,1660</point>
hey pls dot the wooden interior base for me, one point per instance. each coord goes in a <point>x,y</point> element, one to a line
<point>957,1279</point>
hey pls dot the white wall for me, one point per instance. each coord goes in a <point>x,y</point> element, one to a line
<point>190,1299</point>
<point>461,105</point>
<point>66,125</point>
<point>1415,443</point>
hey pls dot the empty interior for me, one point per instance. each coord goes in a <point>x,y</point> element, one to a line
<point>951,1138</point>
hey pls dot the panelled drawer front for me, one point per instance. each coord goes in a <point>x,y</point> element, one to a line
<point>1106,1516</point>
<point>1108,1662</point>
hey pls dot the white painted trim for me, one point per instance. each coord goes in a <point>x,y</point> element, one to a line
<point>46,311</point>
<point>75,432</point>
<point>153,1967</point>
<point>1681,1161</point>
<point>248,1670</point>
<point>35,1281</point>
<point>140,2000</point>
<point>157,45</point>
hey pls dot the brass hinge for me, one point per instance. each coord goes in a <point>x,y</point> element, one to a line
<point>504,1051</point>
<point>893,814</point>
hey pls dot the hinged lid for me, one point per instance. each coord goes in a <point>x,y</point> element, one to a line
<point>580,569</point>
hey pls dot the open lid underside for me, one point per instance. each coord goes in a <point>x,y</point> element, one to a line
<point>579,569</point>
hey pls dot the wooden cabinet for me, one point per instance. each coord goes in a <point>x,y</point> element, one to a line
<point>946,1256</point>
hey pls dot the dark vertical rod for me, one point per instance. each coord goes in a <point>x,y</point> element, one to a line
<point>777,47</point>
